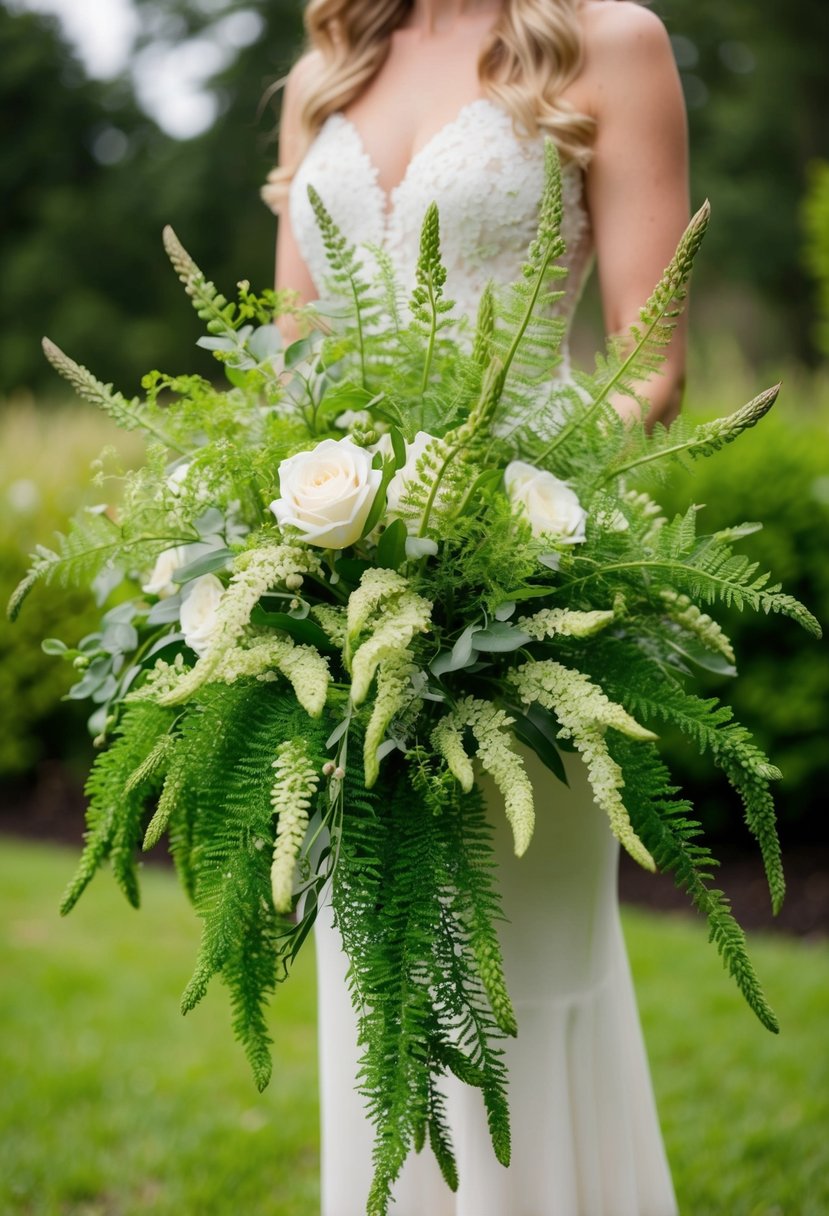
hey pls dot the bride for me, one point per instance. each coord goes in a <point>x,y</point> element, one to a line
<point>398,103</point>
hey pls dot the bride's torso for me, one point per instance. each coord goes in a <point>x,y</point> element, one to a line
<point>486,180</point>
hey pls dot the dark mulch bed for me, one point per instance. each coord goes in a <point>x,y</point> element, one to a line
<point>53,809</point>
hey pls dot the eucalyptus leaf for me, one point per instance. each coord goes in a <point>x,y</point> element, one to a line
<point>297,352</point>
<point>121,614</point>
<point>94,676</point>
<point>210,522</point>
<point>461,655</point>
<point>265,343</point>
<point>118,637</point>
<point>162,645</point>
<point>216,342</point>
<point>217,559</point>
<point>499,638</point>
<point>165,611</point>
<point>104,692</point>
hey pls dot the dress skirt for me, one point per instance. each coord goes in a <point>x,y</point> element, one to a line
<point>585,1133</point>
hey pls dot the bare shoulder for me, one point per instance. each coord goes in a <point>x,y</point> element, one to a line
<point>626,50</point>
<point>612,24</point>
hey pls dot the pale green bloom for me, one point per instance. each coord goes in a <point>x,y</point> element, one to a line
<point>296,780</point>
<point>490,726</point>
<point>255,572</point>
<point>550,622</point>
<point>304,666</point>
<point>584,713</point>
<point>376,586</point>
<point>405,616</point>
<point>395,692</point>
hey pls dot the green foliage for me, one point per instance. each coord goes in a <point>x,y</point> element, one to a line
<point>816,251</point>
<point>415,902</point>
<point>664,824</point>
<point>116,801</point>
<point>411,598</point>
<point>779,473</point>
<point>44,469</point>
<point>228,742</point>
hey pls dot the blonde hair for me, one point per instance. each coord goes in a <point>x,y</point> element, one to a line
<point>532,53</point>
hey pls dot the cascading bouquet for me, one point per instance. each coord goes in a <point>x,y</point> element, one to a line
<point>370,562</point>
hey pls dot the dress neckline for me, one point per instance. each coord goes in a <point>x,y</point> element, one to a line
<point>389,197</point>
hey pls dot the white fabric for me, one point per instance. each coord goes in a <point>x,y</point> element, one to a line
<point>586,1138</point>
<point>486,183</point>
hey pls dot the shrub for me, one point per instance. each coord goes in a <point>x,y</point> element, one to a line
<point>45,456</point>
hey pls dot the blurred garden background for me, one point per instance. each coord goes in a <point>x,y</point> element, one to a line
<point>119,116</point>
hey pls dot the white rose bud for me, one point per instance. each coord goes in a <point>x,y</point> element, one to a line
<point>551,505</point>
<point>327,493</point>
<point>161,580</point>
<point>198,611</point>
<point>177,478</point>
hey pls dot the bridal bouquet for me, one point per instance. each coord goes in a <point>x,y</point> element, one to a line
<point>356,579</point>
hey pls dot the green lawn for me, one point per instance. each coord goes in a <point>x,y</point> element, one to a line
<point>112,1104</point>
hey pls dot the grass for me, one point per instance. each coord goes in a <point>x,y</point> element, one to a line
<point>112,1104</point>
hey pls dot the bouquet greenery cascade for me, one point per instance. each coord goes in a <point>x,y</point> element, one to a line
<point>370,567</point>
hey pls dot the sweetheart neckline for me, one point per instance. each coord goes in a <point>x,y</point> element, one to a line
<point>389,197</point>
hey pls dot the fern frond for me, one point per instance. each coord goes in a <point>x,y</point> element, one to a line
<point>208,302</point>
<point>395,693</point>
<point>415,902</point>
<point>117,803</point>
<point>131,415</point>
<point>224,769</point>
<point>705,439</point>
<point>638,355</point>
<point>644,687</point>
<point>254,572</point>
<point>428,307</point>
<point>296,780</point>
<point>663,824</point>
<point>703,568</point>
<point>347,274</point>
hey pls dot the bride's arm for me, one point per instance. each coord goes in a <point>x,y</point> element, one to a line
<point>291,271</point>
<point>637,181</point>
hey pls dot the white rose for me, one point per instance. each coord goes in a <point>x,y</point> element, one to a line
<point>327,493</point>
<point>200,603</point>
<point>161,580</point>
<point>552,506</point>
<point>399,483</point>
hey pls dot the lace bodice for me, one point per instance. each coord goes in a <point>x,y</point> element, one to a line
<point>486,181</point>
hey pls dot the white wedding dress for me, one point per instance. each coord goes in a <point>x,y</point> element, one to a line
<point>585,1134</point>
